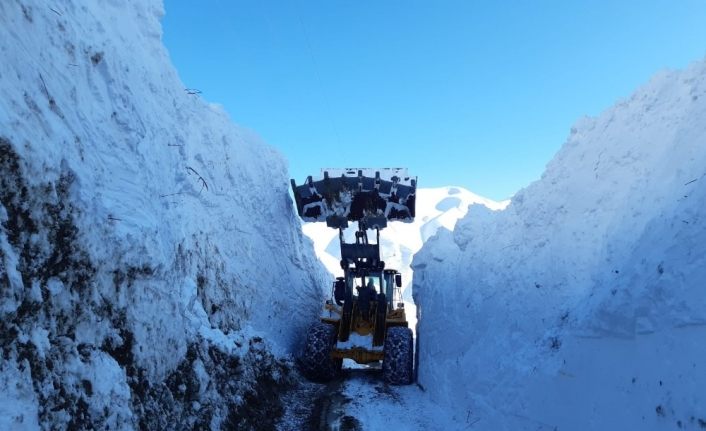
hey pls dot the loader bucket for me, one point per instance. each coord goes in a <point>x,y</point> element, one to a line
<point>370,196</point>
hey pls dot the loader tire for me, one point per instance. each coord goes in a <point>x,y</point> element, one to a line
<point>316,362</point>
<point>397,366</point>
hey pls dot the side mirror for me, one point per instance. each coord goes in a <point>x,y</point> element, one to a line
<point>398,280</point>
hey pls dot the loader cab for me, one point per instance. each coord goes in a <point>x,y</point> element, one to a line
<point>387,282</point>
<point>393,287</point>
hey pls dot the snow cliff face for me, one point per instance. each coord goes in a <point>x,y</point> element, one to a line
<point>148,247</point>
<point>583,304</point>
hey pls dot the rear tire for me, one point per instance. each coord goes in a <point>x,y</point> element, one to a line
<point>397,367</point>
<point>316,362</point>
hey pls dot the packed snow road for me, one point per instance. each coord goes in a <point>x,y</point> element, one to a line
<point>361,401</point>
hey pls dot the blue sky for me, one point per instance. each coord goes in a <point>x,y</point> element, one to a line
<point>478,94</point>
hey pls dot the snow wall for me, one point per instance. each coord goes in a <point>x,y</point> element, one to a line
<point>149,250</point>
<point>582,306</point>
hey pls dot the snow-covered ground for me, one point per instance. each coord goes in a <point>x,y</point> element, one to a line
<point>360,401</point>
<point>582,305</point>
<point>148,247</point>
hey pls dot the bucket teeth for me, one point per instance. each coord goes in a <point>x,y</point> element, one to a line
<point>371,196</point>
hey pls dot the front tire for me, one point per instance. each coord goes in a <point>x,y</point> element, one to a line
<point>398,364</point>
<point>316,362</point>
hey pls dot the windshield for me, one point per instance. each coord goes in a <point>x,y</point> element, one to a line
<point>369,281</point>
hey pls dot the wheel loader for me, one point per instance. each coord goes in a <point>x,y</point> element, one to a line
<point>364,320</point>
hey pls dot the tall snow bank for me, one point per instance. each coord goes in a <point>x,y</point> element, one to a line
<point>582,306</point>
<point>147,245</point>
